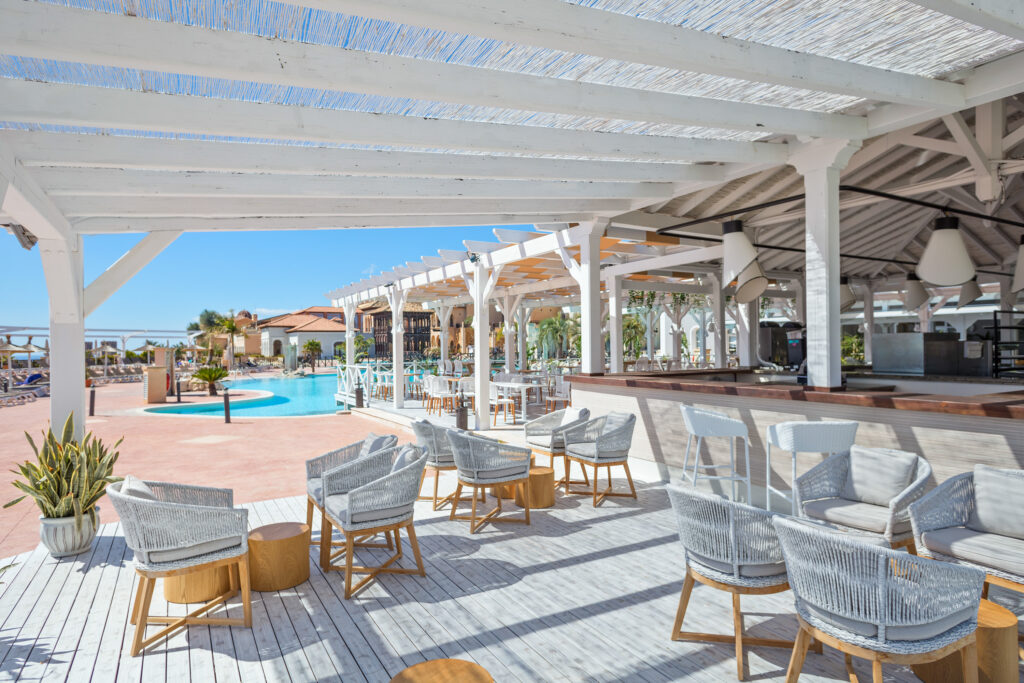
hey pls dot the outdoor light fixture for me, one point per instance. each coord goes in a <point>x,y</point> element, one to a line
<point>915,295</point>
<point>847,297</point>
<point>1018,272</point>
<point>969,291</point>
<point>945,260</point>
<point>739,263</point>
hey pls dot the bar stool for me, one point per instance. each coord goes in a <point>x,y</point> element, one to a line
<point>831,437</point>
<point>707,423</point>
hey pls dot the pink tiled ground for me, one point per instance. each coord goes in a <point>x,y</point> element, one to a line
<point>260,458</point>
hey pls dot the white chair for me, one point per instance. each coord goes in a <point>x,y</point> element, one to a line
<point>702,424</point>
<point>831,437</point>
<point>457,368</point>
<point>503,402</point>
<point>447,369</point>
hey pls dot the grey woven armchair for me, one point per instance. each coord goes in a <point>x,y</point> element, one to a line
<point>372,495</point>
<point>877,603</point>
<point>174,530</point>
<point>602,442</point>
<point>975,519</point>
<point>731,547</point>
<point>433,440</point>
<point>315,468</point>
<point>485,463</point>
<point>546,436</point>
<point>867,489</point>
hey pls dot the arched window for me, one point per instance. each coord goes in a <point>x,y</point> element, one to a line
<point>277,347</point>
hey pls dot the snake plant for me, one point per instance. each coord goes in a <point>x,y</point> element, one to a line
<point>68,476</point>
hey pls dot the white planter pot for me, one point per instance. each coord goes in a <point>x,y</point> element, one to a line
<point>63,538</point>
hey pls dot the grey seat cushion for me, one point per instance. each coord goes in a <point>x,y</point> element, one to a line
<point>545,441</point>
<point>988,550</point>
<point>615,420</point>
<point>502,473</point>
<point>374,442</point>
<point>877,475</point>
<point>315,489</point>
<point>406,456</point>
<point>573,415</point>
<point>905,633</point>
<point>746,570</point>
<point>178,554</point>
<point>997,502</point>
<point>337,509</point>
<point>133,486</point>
<point>851,513</point>
<point>588,450</point>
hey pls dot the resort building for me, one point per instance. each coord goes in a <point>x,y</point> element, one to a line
<point>326,324</point>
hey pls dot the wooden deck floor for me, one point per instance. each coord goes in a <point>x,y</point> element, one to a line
<point>581,595</point>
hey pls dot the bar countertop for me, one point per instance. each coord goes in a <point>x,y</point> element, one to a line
<point>759,384</point>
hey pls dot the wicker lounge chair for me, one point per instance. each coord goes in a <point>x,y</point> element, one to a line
<point>602,442</point>
<point>485,463</point>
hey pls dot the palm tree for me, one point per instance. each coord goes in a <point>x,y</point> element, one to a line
<point>211,376</point>
<point>209,323</point>
<point>633,333</point>
<point>553,333</point>
<point>313,350</point>
<point>230,327</point>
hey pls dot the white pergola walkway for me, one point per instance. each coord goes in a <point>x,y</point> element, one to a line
<point>171,116</point>
<point>581,594</point>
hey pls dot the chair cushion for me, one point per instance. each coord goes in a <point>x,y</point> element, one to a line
<point>204,548</point>
<point>989,550</point>
<point>877,475</point>
<point>588,450</point>
<point>406,456</point>
<point>501,473</point>
<point>133,486</point>
<point>746,570</point>
<point>373,443</point>
<point>542,440</point>
<point>614,421</point>
<point>337,508</point>
<point>315,489</point>
<point>571,415</point>
<point>905,633</point>
<point>851,513</point>
<point>997,502</point>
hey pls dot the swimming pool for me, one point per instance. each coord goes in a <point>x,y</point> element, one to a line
<point>292,396</point>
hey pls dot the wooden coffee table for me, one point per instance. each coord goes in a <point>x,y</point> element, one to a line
<point>542,488</point>
<point>278,556</point>
<point>997,650</point>
<point>443,671</point>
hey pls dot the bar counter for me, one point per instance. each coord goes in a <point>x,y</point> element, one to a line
<point>959,422</point>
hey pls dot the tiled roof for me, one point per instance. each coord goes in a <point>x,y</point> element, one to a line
<point>289,320</point>
<point>319,325</point>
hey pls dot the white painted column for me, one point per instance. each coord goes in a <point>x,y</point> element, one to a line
<point>747,323</point>
<point>444,318</point>
<point>350,332</point>
<point>523,316</point>
<point>665,342</point>
<point>589,279</point>
<point>869,320</point>
<point>509,308</point>
<point>614,285</point>
<point>481,344</point>
<point>820,163</point>
<point>396,299</point>
<point>62,266</point>
<point>720,340</point>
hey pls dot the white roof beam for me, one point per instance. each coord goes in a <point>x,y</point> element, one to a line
<point>1002,16</point>
<point>125,268</point>
<point>76,105</point>
<point>47,31</point>
<point>22,198</point>
<point>675,260</point>
<point>573,28</point>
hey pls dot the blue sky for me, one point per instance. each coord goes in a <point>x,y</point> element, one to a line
<point>263,272</point>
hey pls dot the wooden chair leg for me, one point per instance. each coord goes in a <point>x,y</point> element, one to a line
<point>456,499</point>
<point>684,600</point>
<point>876,671</point>
<point>138,601</point>
<point>526,498</point>
<point>309,512</point>
<point>737,625</point>
<point>349,552</point>
<point>850,673</point>
<point>416,549</point>
<point>472,514</point>
<point>595,483</point>
<point>437,480</point>
<point>969,662</point>
<point>146,585</point>
<point>325,542</point>
<point>796,661</point>
<point>243,580</point>
<point>629,478</point>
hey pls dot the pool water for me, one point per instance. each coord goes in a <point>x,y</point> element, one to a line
<point>292,396</point>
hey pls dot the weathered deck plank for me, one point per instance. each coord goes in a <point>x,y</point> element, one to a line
<point>581,594</point>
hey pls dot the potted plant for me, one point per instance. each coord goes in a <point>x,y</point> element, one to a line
<point>211,376</point>
<point>66,480</point>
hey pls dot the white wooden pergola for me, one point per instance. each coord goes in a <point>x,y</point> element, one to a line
<point>161,118</point>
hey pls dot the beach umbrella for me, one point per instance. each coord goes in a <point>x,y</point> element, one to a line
<point>148,349</point>
<point>10,349</point>
<point>31,348</point>
<point>106,350</point>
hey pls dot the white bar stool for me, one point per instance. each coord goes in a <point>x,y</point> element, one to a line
<point>831,437</point>
<point>705,423</point>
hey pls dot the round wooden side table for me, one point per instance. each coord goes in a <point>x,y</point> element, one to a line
<point>509,491</point>
<point>278,556</point>
<point>443,671</point>
<point>997,651</point>
<point>542,488</point>
<point>197,587</point>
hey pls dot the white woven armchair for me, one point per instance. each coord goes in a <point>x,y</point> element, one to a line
<point>433,440</point>
<point>375,494</point>
<point>731,547</point>
<point>877,603</point>
<point>867,489</point>
<point>975,519</point>
<point>602,442</point>
<point>315,468</point>
<point>175,529</point>
<point>485,463</point>
<point>546,436</point>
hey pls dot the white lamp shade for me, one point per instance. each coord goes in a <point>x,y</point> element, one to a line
<point>915,295</point>
<point>945,261</point>
<point>1018,272</point>
<point>969,291</point>
<point>847,297</point>
<point>738,252</point>
<point>750,284</point>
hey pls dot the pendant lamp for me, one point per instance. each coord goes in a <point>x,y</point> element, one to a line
<point>750,284</point>
<point>945,261</point>
<point>738,251</point>
<point>847,297</point>
<point>1018,272</point>
<point>969,291</point>
<point>915,295</point>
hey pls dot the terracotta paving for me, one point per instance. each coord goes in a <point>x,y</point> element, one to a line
<point>260,458</point>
